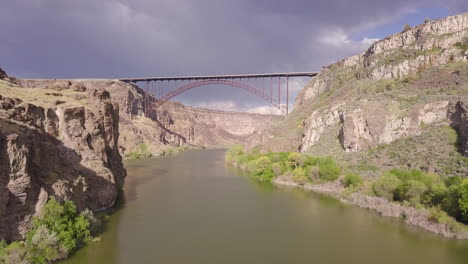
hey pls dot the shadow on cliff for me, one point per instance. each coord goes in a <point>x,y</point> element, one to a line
<point>32,163</point>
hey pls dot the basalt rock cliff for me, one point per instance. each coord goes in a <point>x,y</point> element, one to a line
<point>55,142</point>
<point>403,102</point>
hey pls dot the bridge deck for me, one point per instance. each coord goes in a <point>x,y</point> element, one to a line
<point>216,77</point>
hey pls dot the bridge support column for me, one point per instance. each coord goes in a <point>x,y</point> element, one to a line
<point>287,95</point>
<point>279,92</point>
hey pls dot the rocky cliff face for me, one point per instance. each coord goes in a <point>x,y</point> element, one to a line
<point>59,141</point>
<point>430,44</point>
<point>399,88</point>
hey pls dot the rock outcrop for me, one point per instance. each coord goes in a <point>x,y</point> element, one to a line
<point>382,122</point>
<point>459,117</point>
<point>52,144</point>
<point>3,74</point>
<point>430,44</point>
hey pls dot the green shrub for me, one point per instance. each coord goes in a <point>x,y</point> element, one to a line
<point>13,253</point>
<point>313,172</point>
<point>141,151</point>
<point>329,170</point>
<point>234,152</point>
<point>463,200</point>
<point>43,246</point>
<point>299,176</point>
<point>59,231</point>
<point>276,167</point>
<point>310,161</point>
<point>294,159</point>
<point>439,216</point>
<point>411,191</point>
<point>243,158</point>
<point>261,169</point>
<point>453,181</point>
<point>352,180</point>
<point>436,194</point>
<point>450,202</point>
<point>386,186</point>
<point>406,175</point>
<point>252,166</point>
<point>63,222</point>
<point>263,163</point>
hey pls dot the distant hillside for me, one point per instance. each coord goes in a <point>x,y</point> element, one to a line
<point>403,103</point>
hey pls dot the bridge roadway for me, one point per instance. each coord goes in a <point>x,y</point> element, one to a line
<point>220,77</point>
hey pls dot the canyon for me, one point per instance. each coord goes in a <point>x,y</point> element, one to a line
<point>66,139</point>
<point>401,103</point>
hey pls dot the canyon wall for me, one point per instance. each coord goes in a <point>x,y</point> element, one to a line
<point>56,142</point>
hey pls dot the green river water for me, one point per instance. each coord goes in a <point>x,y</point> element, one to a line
<point>192,208</point>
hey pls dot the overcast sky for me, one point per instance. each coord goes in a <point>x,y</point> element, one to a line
<point>134,38</point>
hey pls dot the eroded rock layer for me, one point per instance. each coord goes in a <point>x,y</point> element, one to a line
<point>54,144</point>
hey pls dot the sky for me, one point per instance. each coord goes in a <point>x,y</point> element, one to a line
<point>139,38</point>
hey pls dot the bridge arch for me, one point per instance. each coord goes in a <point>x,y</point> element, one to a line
<point>261,93</point>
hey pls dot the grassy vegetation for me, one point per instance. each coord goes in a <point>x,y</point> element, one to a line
<point>292,165</point>
<point>141,151</point>
<point>59,232</point>
<point>434,149</point>
<point>43,97</point>
<point>445,198</point>
<point>463,45</point>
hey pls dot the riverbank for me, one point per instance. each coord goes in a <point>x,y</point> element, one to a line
<point>422,199</point>
<point>416,217</point>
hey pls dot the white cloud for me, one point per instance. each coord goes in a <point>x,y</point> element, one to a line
<point>270,110</point>
<point>219,105</point>
<point>339,38</point>
<point>228,105</point>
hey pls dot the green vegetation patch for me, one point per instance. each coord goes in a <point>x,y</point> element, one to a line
<point>59,232</point>
<point>298,167</point>
<point>141,151</point>
<point>424,189</point>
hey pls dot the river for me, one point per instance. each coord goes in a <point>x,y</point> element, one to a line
<point>192,208</point>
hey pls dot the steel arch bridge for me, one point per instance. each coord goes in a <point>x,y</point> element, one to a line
<point>267,86</point>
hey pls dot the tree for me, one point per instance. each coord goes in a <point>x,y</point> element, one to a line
<point>299,176</point>
<point>70,227</point>
<point>427,20</point>
<point>386,186</point>
<point>294,159</point>
<point>352,180</point>
<point>463,200</point>
<point>406,27</point>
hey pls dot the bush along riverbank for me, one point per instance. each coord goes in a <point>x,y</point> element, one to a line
<point>55,234</point>
<point>426,200</point>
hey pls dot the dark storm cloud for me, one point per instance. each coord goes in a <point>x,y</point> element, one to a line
<point>114,38</point>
